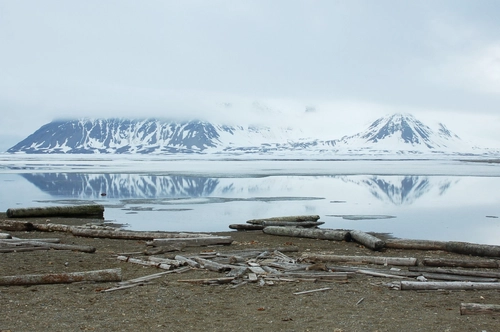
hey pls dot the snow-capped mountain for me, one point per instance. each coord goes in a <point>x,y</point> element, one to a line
<point>398,133</point>
<point>145,136</point>
<point>403,132</point>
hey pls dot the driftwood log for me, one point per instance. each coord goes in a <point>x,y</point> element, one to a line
<point>48,245</point>
<point>287,218</point>
<point>322,234</point>
<point>415,244</point>
<point>17,240</point>
<point>400,261</point>
<point>368,240</point>
<point>61,278</point>
<point>474,249</point>
<point>211,281</point>
<point>91,232</point>
<point>305,224</point>
<point>91,211</point>
<point>490,263</point>
<point>479,309</point>
<point>193,241</point>
<point>246,227</point>
<point>452,285</point>
<point>464,248</point>
<point>473,273</point>
<point>130,235</point>
<point>144,262</point>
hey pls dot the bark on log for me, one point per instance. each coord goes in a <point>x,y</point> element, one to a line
<point>92,211</point>
<point>194,242</point>
<point>287,218</point>
<point>451,285</point>
<point>415,244</point>
<point>305,224</point>
<point>369,241</point>
<point>460,263</point>
<point>474,273</point>
<point>321,234</point>
<point>401,261</point>
<point>473,249</point>
<point>479,309</point>
<point>60,278</point>
<point>246,227</point>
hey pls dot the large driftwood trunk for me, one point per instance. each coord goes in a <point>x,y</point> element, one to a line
<point>91,232</point>
<point>322,234</point>
<point>61,278</point>
<point>246,227</point>
<point>400,261</point>
<point>287,218</point>
<point>490,263</point>
<point>193,241</point>
<point>56,246</point>
<point>452,285</point>
<point>479,309</point>
<point>92,211</point>
<point>474,249</point>
<point>130,235</point>
<point>305,224</point>
<point>415,244</point>
<point>474,273</point>
<point>368,240</point>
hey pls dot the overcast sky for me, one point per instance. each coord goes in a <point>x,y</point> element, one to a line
<point>332,66</point>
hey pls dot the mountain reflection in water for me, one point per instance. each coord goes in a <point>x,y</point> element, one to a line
<point>401,190</point>
<point>398,190</point>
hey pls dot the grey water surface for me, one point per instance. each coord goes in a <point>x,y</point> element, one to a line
<point>418,206</point>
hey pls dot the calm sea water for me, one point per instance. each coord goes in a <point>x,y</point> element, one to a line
<point>436,200</point>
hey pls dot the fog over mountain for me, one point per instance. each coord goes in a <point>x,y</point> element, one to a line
<point>394,134</point>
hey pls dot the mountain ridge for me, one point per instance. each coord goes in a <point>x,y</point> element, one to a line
<point>396,133</point>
